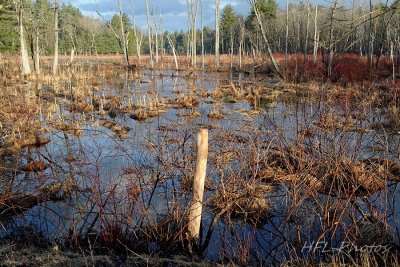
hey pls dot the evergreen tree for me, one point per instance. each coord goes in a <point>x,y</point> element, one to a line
<point>8,28</point>
<point>228,19</point>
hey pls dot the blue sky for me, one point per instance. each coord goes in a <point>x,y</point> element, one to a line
<point>173,11</point>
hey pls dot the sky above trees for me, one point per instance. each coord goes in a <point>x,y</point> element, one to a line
<point>173,11</point>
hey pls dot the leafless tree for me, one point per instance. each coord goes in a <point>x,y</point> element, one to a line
<point>26,69</point>
<point>217,32</point>
<point>55,63</point>
<point>264,35</point>
<point>137,39</point>
<point>149,33</point>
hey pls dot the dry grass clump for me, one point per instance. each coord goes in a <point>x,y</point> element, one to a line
<point>243,200</point>
<point>73,128</point>
<point>230,92</point>
<point>118,129</point>
<point>80,107</point>
<point>112,105</point>
<point>58,190</point>
<point>215,113</point>
<point>187,101</point>
<point>232,137</point>
<point>324,175</point>
<point>35,166</point>
<point>140,115</point>
<point>331,122</point>
<point>14,204</point>
<point>10,151</point>
<point>34,140</point>
<point>191,115</point>
<point>14,145</point>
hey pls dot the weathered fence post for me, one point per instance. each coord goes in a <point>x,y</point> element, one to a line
<point>198,185</point>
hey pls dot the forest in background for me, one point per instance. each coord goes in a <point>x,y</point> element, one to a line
<point>346,41</point>
<point>356,27</point>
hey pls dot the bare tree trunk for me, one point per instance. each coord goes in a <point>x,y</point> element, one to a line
<point>315,35</point>
<point>231,46</point>
<point>123,35</point>
<point>138,43</point>
<point>202,34</point>
<point>37,53</point>
<point>271,56</point>
<point>287,32</point>
<point>188,40</point>
<point>370,35</point>
<point>352,37</point>
<point>331,40</point>
<point>149,34</point>
<point>156,33</point>
<point>192,8</point>
<point>194,32</point>
<point>55,63</point>
<point>173,51</point>
<point>241,42</point>
<point>393,62</point>
<point>307,31</point>
<point>217,33</point>
<point>161,40</point>
<point>26,69</point>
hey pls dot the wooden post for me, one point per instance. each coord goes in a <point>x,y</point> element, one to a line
<point>198,185</point>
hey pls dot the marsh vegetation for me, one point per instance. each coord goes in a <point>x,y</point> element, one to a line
<point>98,152</point>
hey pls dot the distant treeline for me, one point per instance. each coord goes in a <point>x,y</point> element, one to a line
<point>366,29</point>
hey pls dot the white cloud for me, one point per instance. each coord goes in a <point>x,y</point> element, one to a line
<point>173,11</point>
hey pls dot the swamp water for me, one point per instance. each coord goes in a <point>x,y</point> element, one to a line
<point>115,173</point>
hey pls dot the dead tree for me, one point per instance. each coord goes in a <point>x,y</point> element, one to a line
<point>124,36</point>
<point>217,32</point>
<point>55,63</point>
<point>264,35</point>
<point>149,33</point>
<point>26,69</point>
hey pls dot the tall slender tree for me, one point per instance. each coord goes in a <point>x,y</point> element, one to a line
<point>217,33</point>
<point>26,69</point>
<point>55,62</point>
<point>149,33</point>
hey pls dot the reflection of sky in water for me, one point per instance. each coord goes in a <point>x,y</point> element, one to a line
<point>99,153</point>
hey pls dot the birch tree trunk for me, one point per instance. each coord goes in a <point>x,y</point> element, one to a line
<point>242,27</point>
<point>138,43</point>
<point>156,33</point>
<point>195,5</point>
<point>123,35</point>
<point>202,35</point>
<point>55,63</point>
<point>271,56</point>
<point>370,35</point>
<point>231,46</point>
<point>331,41</point>
<point>307,31</point>
<point>173,51</point>
<point>287,32</point>
<point>26,69</point>
<point>149,34</point>
<point>37,53</point>
<point>217,33</point>
<point>315,35</point>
